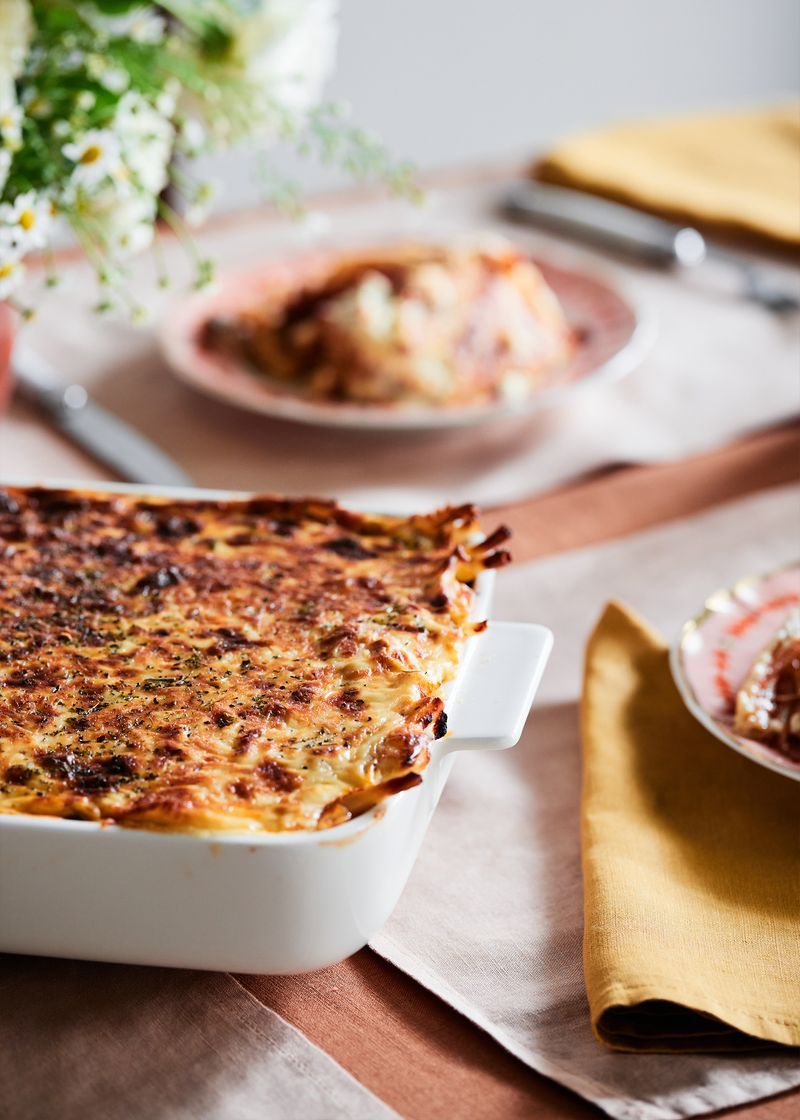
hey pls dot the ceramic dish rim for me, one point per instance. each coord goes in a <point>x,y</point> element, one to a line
<point>294,408</point>
<point>701,714</point>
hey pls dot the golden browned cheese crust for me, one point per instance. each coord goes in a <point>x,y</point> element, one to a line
<point>260,665</point>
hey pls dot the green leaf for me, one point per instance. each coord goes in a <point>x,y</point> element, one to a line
<point>114,7</point>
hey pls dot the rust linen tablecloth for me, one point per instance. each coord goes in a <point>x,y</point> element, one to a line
<point>721,367</point>
<point>492,918</point>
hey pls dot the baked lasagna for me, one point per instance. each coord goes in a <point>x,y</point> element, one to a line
<point>258,664</point>
<point>768,703</point>
<point>410,324</point>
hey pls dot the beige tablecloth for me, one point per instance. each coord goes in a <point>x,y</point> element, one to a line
<point>497,889</point>
<point>721,366</point>
<point>88,1041</point>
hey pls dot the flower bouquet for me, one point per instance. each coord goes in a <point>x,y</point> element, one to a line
<point>103,104</point>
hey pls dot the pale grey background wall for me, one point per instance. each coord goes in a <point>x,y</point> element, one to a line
<point>453,81</point>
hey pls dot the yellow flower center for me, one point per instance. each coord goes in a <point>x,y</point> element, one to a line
<point>7,269</point>
<point>92,154</point>
<point>27,219</point>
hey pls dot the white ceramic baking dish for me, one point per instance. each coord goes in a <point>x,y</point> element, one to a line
<point>275,903</point>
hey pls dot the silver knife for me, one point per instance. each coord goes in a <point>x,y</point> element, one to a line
<point>96,430</point>
<point>619,228</point>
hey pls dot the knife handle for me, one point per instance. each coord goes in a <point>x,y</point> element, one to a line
<point>104,436</point>
<point>37,380</point>
<point>608,225</point>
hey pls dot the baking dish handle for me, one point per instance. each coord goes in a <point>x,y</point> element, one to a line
<point>496,691</point>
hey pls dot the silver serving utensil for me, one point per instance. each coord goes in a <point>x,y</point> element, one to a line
<point>96,430</point>
<point>609,225</point>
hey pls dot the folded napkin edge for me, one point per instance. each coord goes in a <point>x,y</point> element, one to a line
<point>618,621</point>
<point>743,1026</point>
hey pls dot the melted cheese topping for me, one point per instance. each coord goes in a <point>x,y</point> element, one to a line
<point>250,665</point>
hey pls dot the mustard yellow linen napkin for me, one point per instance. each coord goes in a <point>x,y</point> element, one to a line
<point>732,174</point>
<point>691,865</point>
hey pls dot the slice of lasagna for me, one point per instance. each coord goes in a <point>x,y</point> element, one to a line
<point>258,664</point>
<point>409,324</point>
<point>768,703</point>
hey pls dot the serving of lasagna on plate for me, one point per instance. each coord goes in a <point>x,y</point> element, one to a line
<point>768,702</point>
<point>737,666</point>
<point>409,324</point>
<point>256,665</point>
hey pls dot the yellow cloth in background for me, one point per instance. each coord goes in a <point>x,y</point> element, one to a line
<point>691,860</point>
<point>731,174</point>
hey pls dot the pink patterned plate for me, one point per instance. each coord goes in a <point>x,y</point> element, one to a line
<point>614,340</point>
<point>716,650</point>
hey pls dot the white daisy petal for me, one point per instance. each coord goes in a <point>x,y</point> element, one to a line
<point>5,165</point>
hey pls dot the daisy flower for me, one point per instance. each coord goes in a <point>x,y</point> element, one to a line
<point>140,26</point>
<point>146,140</point>
<point>11,273</point>
<point>27,220</point>
<point>192,136</point>
<point>11,126</point>
<point>97,155</point>
<point>287,47</point>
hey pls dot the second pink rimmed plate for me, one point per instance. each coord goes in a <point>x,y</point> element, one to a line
<point>717,648</point>
<point>615,336</point>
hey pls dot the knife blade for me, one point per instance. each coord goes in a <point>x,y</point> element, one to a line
<point>93,428</point>
<point>610,225</point>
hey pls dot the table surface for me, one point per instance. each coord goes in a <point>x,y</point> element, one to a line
<point>411,1049</point>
